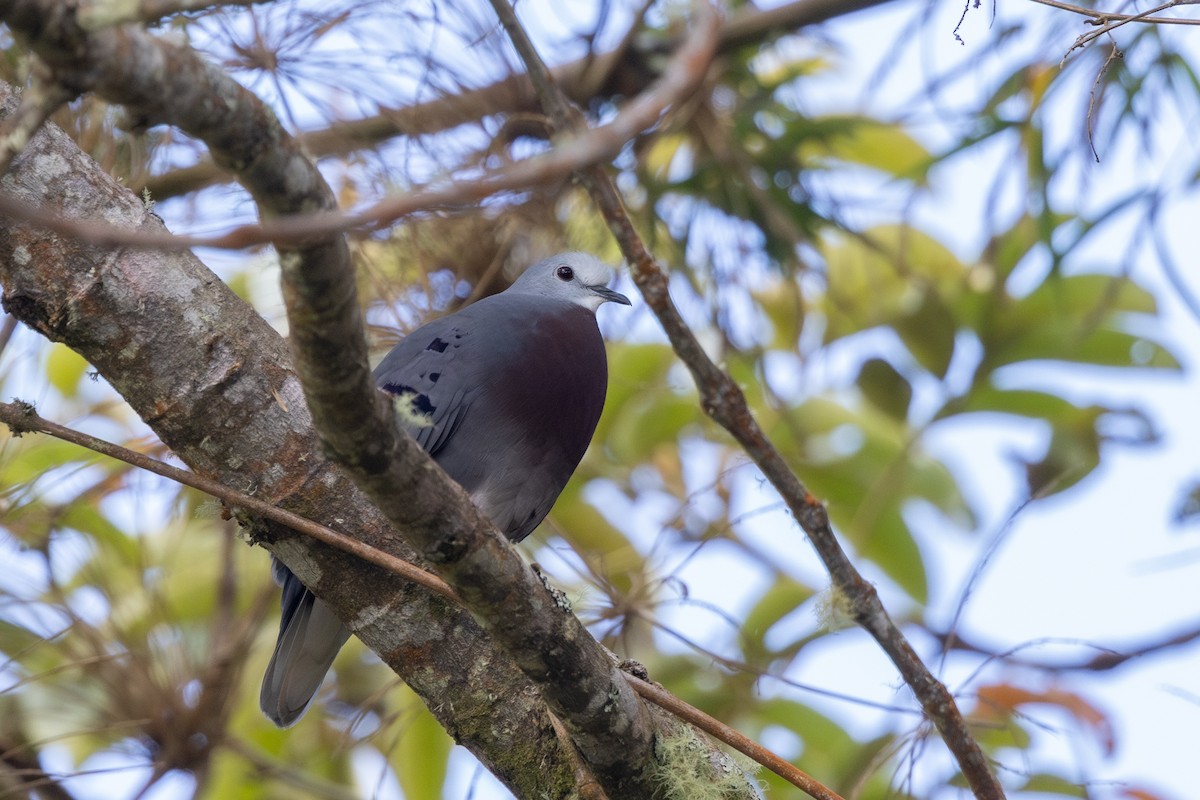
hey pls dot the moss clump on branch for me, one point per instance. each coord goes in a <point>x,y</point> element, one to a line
<point>691,768</point>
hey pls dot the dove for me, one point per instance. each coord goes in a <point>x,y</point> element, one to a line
<point>505,395</point>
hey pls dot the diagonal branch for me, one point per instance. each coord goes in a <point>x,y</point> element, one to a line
<point>22,417</point>
<point>724,401</point>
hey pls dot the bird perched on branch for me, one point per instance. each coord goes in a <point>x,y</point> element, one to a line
<point>505,395</point>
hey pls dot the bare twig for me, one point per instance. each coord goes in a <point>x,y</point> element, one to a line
<point>1114,53</point>
<point>977,571</point>
<point>1099,17</point>
<point>99,14</point>
<point>21,417</point>
<point>1106,658</point>
<point>1106,23</point>
<point>724,401</point>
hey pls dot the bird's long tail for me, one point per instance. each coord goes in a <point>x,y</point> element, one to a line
<point>310,637</point>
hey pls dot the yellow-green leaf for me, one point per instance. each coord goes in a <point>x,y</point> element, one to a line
<point>64,369</point>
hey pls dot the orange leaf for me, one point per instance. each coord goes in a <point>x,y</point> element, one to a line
<point>1002,699</point>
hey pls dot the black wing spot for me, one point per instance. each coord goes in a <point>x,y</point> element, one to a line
<point>420,402</point>
<point>439,345</point>
<point>434,377</point>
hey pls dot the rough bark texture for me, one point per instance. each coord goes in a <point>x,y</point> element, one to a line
<point>215,382</point>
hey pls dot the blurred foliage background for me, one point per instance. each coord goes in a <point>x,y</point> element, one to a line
<point>923,260</point>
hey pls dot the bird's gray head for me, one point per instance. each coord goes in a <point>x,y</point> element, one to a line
<point>578,278</point>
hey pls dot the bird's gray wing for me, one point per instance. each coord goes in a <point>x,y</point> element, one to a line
<point>425,372</point>
<point>310,636</point>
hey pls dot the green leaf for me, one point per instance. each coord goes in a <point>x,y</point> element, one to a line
<point>1007,249</point>
<point>932,481</point>
<point>928,332</point>
<point>64,368</point>
<point>867,471</point>
<point>648,421</point>
<point>665,155</point>
<point>34,455</point>
<point>633,368</point>
<point>1083,296</point>
<point>827,745</point>
<point>16,640</point>
<point>774,71</point>
<point>1061,340</point>
<point>781,598</point>
<point>784,307</point>
<point>1044,783</point>
<point>1072,454</point>
<point>891,546</point>
<point>885,388</point>
<point>988,398</point>
<point>83,516</point>
<point>867,142</point>
<point>421,755</point>
<point>886,276</point>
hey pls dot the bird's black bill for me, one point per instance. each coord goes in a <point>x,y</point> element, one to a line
<point>609,294</point>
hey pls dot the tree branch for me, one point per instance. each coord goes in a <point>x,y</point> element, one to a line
<point>99,14</point>
<point>22,417</point>
<point>1107,657</point>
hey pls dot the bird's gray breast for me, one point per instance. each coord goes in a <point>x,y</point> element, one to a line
<point>507,393</point>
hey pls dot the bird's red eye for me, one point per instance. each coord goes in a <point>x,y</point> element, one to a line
<point>564,273</point>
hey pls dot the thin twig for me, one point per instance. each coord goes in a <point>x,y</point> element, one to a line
<point>1101,17</point>
<point>1114,53</point>
<point>1108,22</point>
<point>106,13</point>
<point>1106,658</point>
<point>22,418</point>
